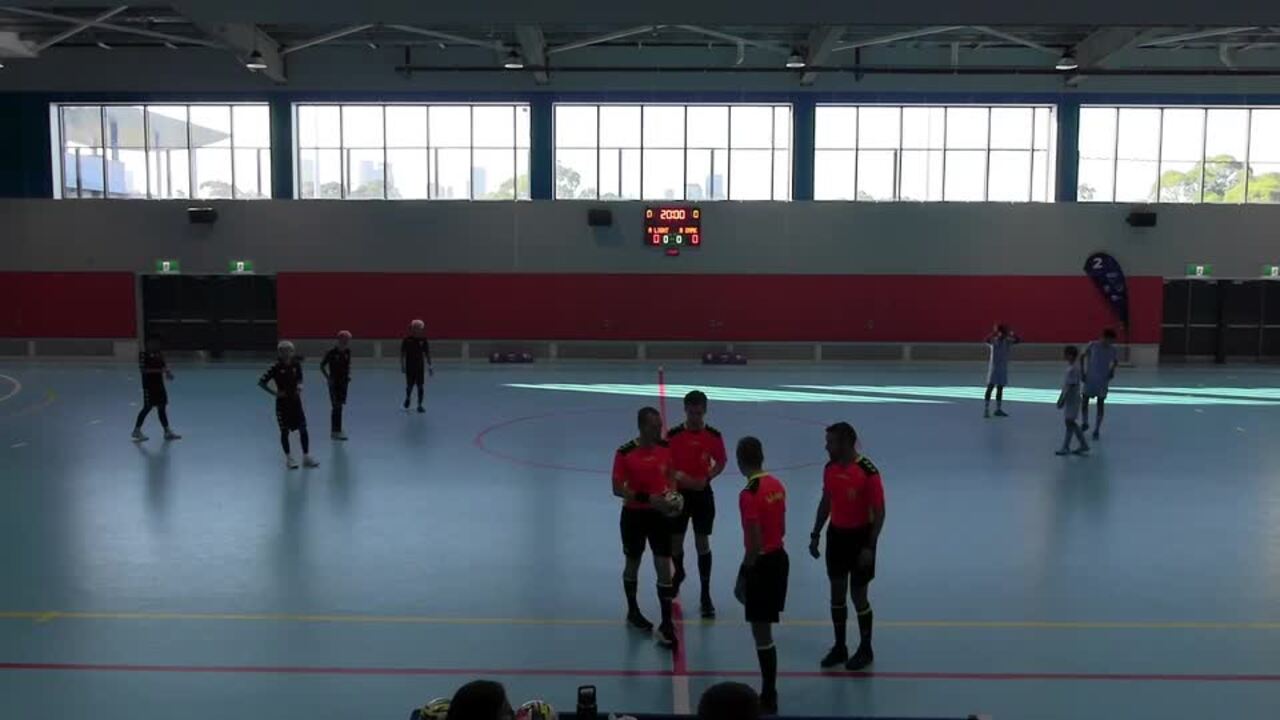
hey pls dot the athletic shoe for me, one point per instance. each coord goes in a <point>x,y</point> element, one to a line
<point>290,462</point>
<point>421,409</point>
<point>138,436</point>
<point>836,656</point>
<point>1096,436</point>
<point>639,622</point>
<point>861,659</point>
<point>337,436</point>
<point>310,462</point>
<point>1082,451</point>
<point>708,610</point>
<point>171,435</point>
<point>406,403</point>
<point>1001,413</point>
<point>769,703</point>
<point>666,637</point>
<point>1062,452</point>
<point>1084,427</point>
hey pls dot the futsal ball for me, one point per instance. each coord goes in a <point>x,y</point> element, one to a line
<point>674,503</point>
<point>437,709</point>
<point>536,710</point>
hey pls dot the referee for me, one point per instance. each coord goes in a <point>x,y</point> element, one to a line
<point>762,581</point>
<point>642,476</point>
<point>853,497</point>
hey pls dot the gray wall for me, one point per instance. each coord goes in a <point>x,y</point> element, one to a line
<point>800,237</point>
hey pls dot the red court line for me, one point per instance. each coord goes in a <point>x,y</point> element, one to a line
<point>599,672</point>
<point>678,664</point>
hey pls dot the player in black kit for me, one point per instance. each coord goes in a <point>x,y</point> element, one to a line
<point>286,374</point>
<point>336,368</point>
<point>413,350</point>
<point>154,372</point>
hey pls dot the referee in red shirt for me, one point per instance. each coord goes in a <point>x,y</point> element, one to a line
<point>853,497</point>
<point>642,475</point>
<point>762,581</point>
<point>697,451</point>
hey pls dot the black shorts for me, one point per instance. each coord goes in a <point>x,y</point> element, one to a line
<point>415,375</point>
<point>764,587</point>
<point>843,549</point>
<point>155,395</point>
<point>289,415</point>
<point>338,392</point>
<point>645,526</point>
<point>700,507</point>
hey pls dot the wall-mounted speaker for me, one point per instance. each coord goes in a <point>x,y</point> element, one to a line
<point>1141,218</point>
<point>202,215</point>
<point>599,217</point>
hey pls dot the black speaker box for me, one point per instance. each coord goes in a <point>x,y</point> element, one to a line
<point>599,217</point>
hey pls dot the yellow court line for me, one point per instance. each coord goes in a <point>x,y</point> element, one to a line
<point>52,615</point>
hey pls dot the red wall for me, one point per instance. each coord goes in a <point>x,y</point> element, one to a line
<point>941,308</point>
<point>67,305</point>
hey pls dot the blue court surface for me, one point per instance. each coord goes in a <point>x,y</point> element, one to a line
<point>201,579</point>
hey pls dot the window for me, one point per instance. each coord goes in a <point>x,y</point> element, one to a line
<point>933,153</point>
<point>412,152</point>
<point>1179,154</point>
<point>673,152</point>
<point>163,151</point>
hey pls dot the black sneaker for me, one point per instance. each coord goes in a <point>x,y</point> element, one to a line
<point>666,637</point>
<point>860,660</point>
<point>1096,436</point>
<point>421,409</point>
<point>639,622</point>
<point>1001,413</point>
<point>708,609</point>
<point>406,403</point>
<point>769,703</point>
<point>837,655</point>
<point>1084,427</point>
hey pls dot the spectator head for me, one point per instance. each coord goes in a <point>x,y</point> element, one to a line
<point>480,700</point>
<point>729,701</point>
<point>1070,353</point>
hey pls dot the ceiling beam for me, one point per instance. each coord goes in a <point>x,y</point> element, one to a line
<point>109,26</point>
<point>327,37</point>
<point>450,37</point>
<point>818,49</point>
<point>770,47</point>
<point>896,37</point>
<point>73,31</point>
<point>243,40</point>
<point>1197,35</point>
<point>600,39</point>
<point>1102,44</point>
<point>533,46</point>
<point>1015,39</point>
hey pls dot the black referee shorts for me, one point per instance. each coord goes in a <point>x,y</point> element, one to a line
<point>289,415</point>
<point>844,546</point>
<point>764,587</point>
<point>645,526</point>
<point>700,508</point>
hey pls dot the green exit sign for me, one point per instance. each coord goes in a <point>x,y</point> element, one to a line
<point>1271,272</point>
<point>168,267</point>
<point>240,267</point>
<point>1199,270</point>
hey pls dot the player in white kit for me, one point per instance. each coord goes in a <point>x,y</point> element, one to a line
<point>1001,342</point>
<point>1099,364</point>
<point>1069,402</point>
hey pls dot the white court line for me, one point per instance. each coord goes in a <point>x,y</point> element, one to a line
<point>15,446</point>
<point>94,422</point>
<point>680,695</point>
<point>17,387</point>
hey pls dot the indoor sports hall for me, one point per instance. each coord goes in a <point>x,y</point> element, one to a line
<point>344,347</point>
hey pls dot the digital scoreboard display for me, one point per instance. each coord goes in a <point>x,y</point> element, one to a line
<point>672,228</point>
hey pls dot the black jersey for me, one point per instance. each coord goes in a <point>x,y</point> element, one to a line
<point>287,377</point>
<point>152,366</point>
<point>413,350</point>
<point>338,362</point>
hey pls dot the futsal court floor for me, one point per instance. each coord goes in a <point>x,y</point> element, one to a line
<point>200,579</point>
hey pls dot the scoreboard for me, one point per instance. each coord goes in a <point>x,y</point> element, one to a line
<point>671,227</point>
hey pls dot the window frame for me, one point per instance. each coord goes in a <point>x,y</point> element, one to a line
<point>59,147</point>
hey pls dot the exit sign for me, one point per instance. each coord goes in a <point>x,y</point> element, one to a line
<point>1271,272</point>
<point>1199,270</point>
<point>241,267</point>
<point>168,267</point>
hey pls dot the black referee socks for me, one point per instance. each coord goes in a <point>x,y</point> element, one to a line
<point>631,586</point>
<point>704,574</point>
<point>665,595</point>
<point>865,617</point>
<point>839,620</point>
<point>768,670</point>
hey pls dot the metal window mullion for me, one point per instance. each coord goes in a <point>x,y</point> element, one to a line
<point>102,123</point>
<point>986,171</point>
<point>1031,169</point>
<point>773,134</point>
<point>431,155</point>
<point>728,154</point>
<point>146,150</point>
<point>1248,148</point>
<point>471,152</point>
<point>684,155</point>
<point>386,189</point>
<point>642,158</point>
<point>1160,156</point>
<point>897,157</point>
<point>1204,148</point>
<point>231,117</point>
<point>1115,159</point>
<point>297,154</point>
<point>946,112</point>
<point>191,160</point>
<point>597,153</point>
<point>343,179</point>
<point>515,156</point>
<point>857,150</point>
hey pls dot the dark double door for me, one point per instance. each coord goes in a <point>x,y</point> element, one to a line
<point>1221,319</point>
<point>213,313</point>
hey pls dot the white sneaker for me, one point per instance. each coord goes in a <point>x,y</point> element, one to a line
<point>310,462</point>
<point>171,435</point>
<point>290,462</point>
<point>337,436</point>
<point>138,436</point>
